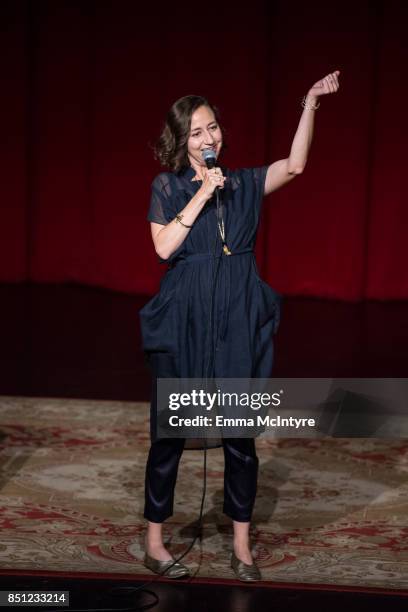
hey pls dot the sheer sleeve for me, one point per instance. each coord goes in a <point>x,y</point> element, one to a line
<point>163,207</point>
<point>252,183</point>
<point>160,209</point>
<point>259,177</point>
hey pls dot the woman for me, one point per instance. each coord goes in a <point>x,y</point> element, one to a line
<point>213,315</point>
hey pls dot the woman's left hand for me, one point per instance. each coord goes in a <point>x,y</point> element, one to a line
<point>326,85</point>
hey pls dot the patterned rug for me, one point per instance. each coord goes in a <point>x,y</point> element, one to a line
<point>328,512</point>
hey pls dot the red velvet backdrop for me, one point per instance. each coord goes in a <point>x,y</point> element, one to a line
<point>85,87</point>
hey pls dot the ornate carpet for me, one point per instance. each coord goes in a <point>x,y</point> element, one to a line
<point>328,512</point>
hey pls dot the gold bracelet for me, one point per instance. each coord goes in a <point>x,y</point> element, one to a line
<point>178,219</point>
<point>304,104</point>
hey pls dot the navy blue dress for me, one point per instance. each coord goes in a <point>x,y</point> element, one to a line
<point>233,338</point>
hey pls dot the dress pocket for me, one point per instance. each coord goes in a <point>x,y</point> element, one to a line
<point>158,318</point>
<point>269,305</point>
<point>158,323</point>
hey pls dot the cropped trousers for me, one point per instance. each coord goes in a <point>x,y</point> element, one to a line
<point>241,464</point>
<point>240,478</point>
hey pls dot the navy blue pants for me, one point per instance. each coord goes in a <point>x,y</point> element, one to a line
<point>241,463</point>
<point>240,478</point>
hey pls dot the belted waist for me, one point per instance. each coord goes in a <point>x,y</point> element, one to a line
<point>202,256</point>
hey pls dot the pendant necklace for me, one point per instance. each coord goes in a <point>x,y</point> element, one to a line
<point>221,228</point>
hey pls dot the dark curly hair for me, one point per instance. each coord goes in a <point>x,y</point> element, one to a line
<point>171,148</point>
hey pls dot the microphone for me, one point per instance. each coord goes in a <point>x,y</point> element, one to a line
<point>210,158</point>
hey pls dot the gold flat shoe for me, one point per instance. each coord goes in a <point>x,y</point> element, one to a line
<point>244,572</point>
<point>177,570</point>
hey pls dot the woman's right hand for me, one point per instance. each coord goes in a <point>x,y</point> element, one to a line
<point>212,179</point>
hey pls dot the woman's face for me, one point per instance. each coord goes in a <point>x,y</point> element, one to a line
<point>205,133</point>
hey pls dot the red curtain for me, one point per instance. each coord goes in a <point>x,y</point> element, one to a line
<point>86,86</point>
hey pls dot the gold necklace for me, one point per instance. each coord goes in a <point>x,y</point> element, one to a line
<point>221,227</point>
